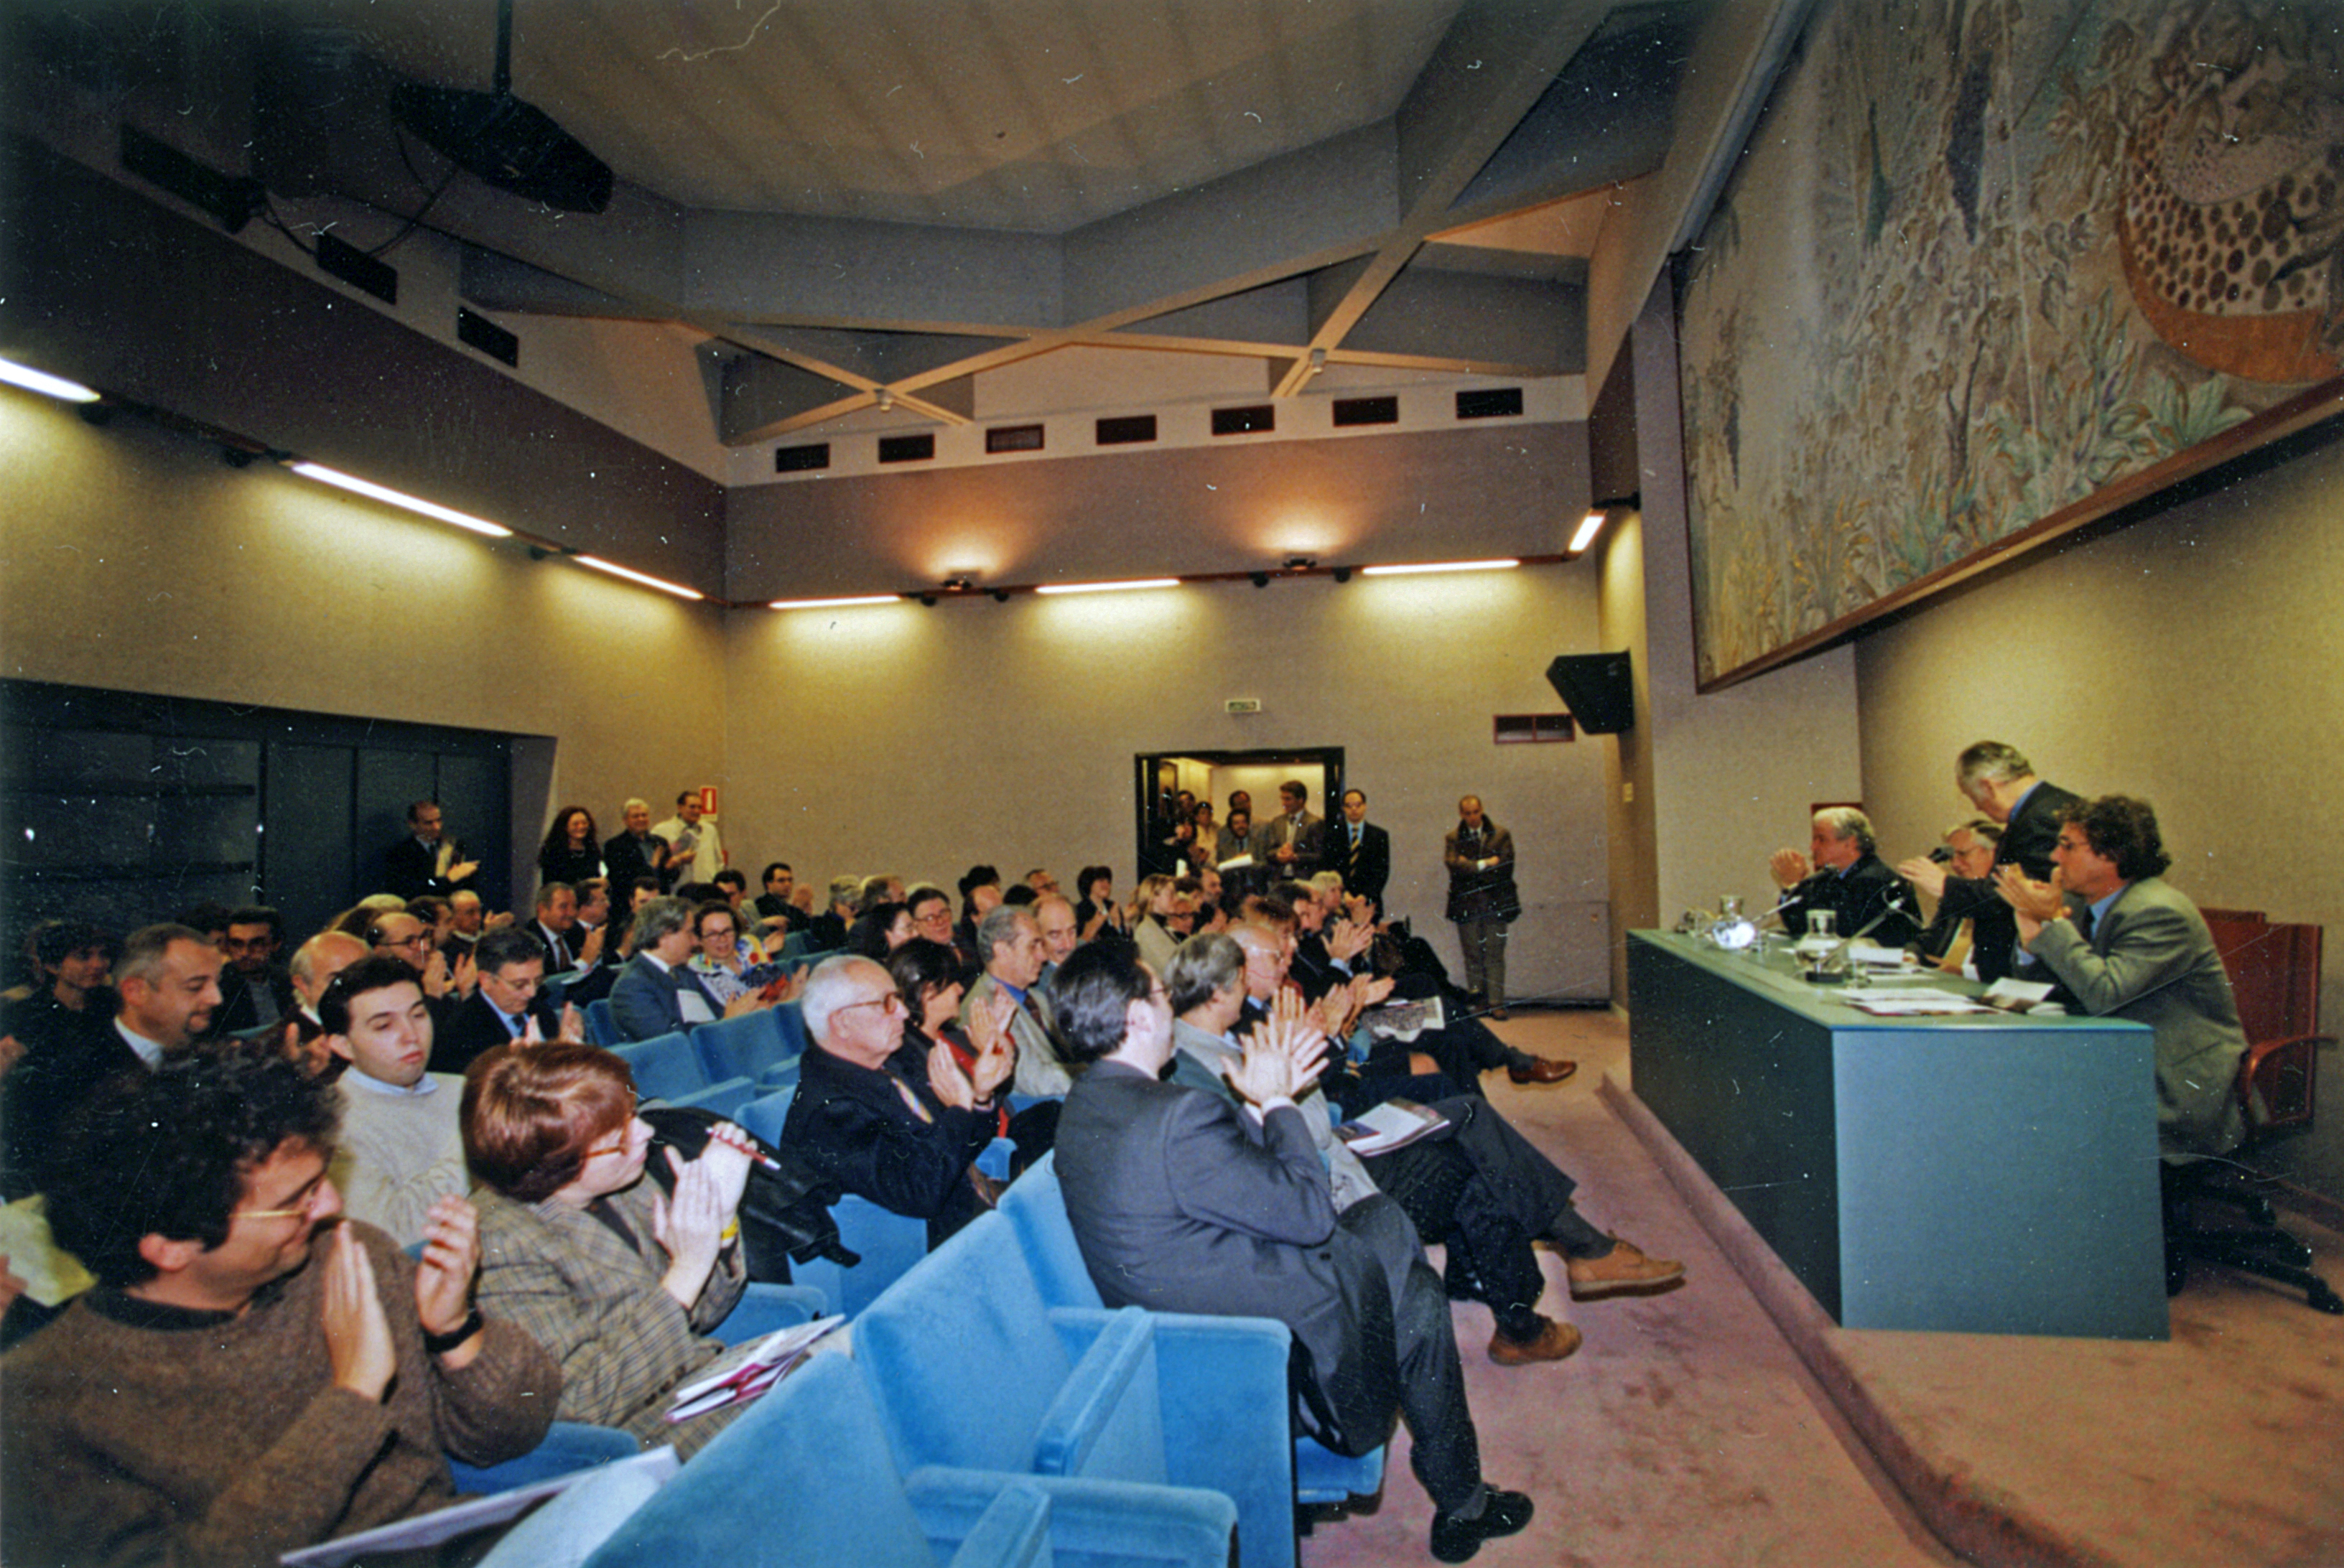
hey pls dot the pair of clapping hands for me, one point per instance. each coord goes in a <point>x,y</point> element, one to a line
<point>695,1222</point>
<point>997,1057</point>
<point>1282,1058</point>
<point>358,1333</point>
<point>2036,904</point>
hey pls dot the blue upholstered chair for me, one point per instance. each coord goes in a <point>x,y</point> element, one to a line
<point>752,1046</point>
<point>601,1028</point>
<point>805,1480</point>
<point>1200,1388</point>
<point>569,1445</point>
<point>667,1068</point>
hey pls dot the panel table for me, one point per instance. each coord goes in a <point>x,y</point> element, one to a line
<point>1976,1175</point>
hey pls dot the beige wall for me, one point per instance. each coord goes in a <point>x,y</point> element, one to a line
<point>135,560</point>
<point>2196,659</point>
<point>918,741</point>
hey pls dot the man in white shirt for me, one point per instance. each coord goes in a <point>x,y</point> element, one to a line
<point>695,852</point>
<point>402,1145</point>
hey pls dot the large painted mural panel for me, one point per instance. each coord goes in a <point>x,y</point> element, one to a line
<point>1980,262</point>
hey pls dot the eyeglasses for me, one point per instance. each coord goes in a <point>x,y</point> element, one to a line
<point>307,1206</point>
<point>628,1130</point>
<point>891,1002</point>
<point>708,933</point>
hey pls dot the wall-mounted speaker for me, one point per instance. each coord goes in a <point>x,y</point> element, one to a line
<point>1597,688</point>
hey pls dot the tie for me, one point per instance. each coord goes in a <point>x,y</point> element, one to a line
<point>1355,835</point>
<point>2085,921</point>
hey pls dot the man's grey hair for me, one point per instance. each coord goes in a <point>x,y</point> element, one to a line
<point>872,891</point>
<point>1977,827</point>
<point>999,929</point>
<point>844,890</point>
<point>1201,966</point>
<point>145,951</point>
<point>830,987</point>
<point>660,918</point>
<point>1990,759</point>
<point>312,952</point>
<point>1848,822</point>
<point>634,802</point>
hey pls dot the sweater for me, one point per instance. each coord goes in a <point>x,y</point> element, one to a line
<point>142,1433</point>
<point>400,1152</point>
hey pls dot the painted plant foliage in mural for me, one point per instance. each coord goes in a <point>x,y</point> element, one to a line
<point>1983,258</point>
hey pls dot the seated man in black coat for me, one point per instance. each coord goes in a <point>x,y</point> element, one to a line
<point>1846,878</point>
<point>878,1119</point>
<point>508,1004</point>
<point>1182,1202</point>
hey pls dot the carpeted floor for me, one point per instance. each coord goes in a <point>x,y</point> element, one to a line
<point>1690,1431</point>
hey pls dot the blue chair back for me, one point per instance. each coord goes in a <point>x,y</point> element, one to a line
<point>665,1066</point>
<point>601,1028</point>
<point>763,1115</point>
<point>789,1020</point>
<point>743,1046</point>
<point>889,1245</point>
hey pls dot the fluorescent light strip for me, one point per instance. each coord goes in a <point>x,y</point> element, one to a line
<point>1109,587</point>
<point>836,603</point>
<point>616,570</point>
<point>358,487</point>
<point>33,380</point>
<point>1437,567</point>
<point>1588,527</point>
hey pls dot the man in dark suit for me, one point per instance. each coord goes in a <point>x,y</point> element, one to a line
<point>1294,842</point>
<point>656,992</point>
<point>1359,850</point>
<point>636,851</point>
<point>1846,877</point>
<point>2001,783</point>
<point>1183,1203</point>
<point>255,989</point>
<point>507,1005</point>
<point>425,861</point>
<point>2123,942</point>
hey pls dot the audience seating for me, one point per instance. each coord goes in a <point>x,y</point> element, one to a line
<point>569,1445</point>
<point>983,1393</point>
<point>750,1046</point>
<point>805,1480</point>
<point>667,1069</point>
<point>1309,1472</point>
<point>601,1028</point>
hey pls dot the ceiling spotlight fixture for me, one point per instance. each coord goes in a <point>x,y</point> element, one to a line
<point>1258,579</point>
<point>1298,563</point>
<point>1318,360</point>
<point>959,582</point>
<point>886,400</point>
<point>1001,596</point>
<point>1342,574</point>
<point>1415,569</point>
<point>1108,588</point>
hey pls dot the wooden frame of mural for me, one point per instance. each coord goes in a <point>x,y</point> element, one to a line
<point>1988,271</point>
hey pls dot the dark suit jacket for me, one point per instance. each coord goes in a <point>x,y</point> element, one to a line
<point>2152,960</point>
<point>238,1012</point>
<point>1309,842</point>
<point>643,999</point>
<point>851,1124</point>
<point>474,1026</point>
<point>1182,1204</point>
<point>1365,869</point>
<point>1859,898</point>
<point>412,870</point>
<point>2028,840</point>
<point>47,1090</point>
<point>560,960</point>
<point>622,862</point>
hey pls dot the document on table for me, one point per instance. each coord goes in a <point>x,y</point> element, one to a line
<point>1394,1124</point>
<point>426,1530</point>
<point>1906,1002</point>
<point>774,1359</point>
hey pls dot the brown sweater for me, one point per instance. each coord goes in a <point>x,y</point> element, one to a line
<point>142,1433</point>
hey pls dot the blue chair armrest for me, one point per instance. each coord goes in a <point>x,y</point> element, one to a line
<point>1014,1533</point>
<point>1123,1521</point>
<point>764,1308</point>
<point>726,1099</point>
<point>1105,1421</point>
<point>996,1160</point>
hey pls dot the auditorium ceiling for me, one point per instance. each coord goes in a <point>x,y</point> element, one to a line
<point>865,203</point>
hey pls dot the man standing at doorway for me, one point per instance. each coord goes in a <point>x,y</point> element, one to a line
<point>1482,900</point>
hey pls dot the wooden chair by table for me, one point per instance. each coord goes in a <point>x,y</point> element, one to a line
<point>2274,973</point>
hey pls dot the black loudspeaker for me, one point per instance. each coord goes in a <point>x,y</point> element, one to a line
<point>1596,688</point>
<point>513,145</point>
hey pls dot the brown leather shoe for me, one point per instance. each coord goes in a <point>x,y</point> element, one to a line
<point>1623,1271</point>
<point>1543,1070</point>
<point>1555,1340</point>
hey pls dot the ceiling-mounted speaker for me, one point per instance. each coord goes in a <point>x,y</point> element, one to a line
<point>1597,688</point>
<point>512,145</point>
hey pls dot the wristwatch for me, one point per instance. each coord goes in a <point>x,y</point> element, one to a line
<point>440,1344</point>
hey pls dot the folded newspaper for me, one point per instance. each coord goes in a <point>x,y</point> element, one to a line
<point>1394,1124</point>
<point>772,1360</point>
<point>434,1529</point>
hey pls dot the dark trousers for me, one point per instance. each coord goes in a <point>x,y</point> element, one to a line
<point>1487,1193</point>
<point>1444,1450</point>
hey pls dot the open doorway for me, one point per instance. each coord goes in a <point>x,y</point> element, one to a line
<point>1161,779</point>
